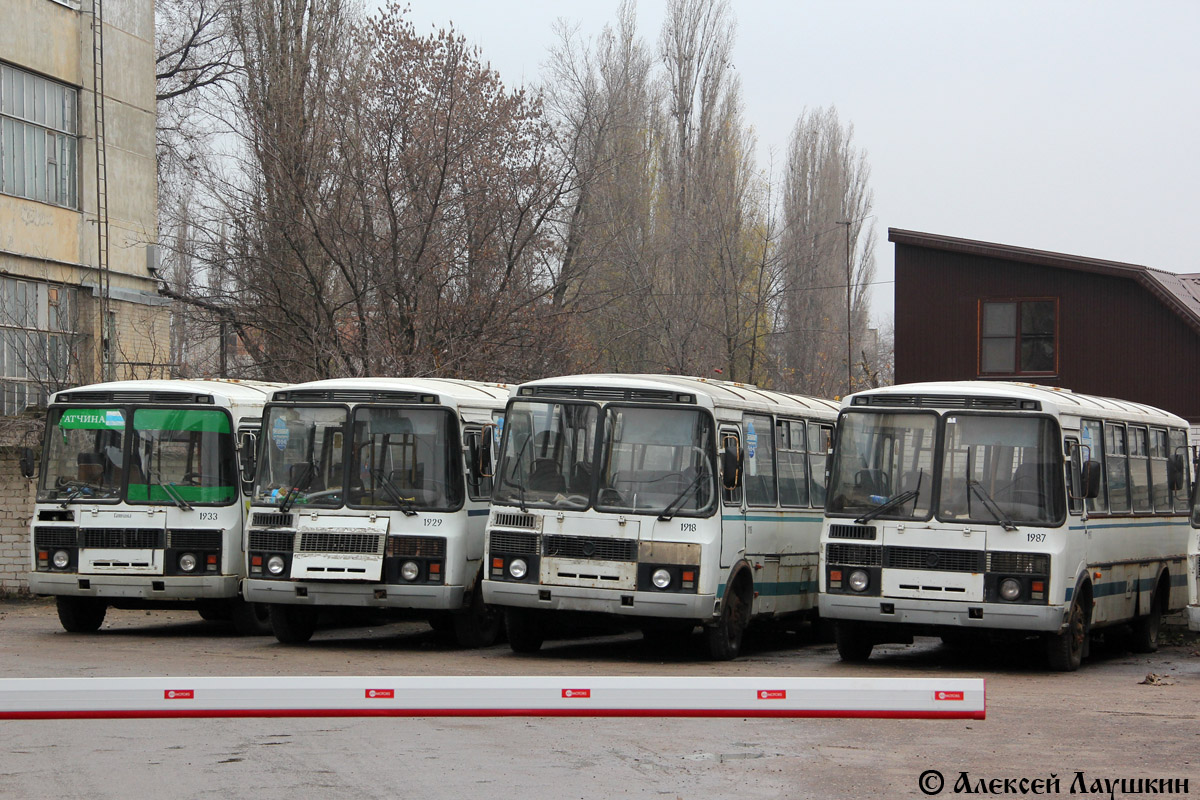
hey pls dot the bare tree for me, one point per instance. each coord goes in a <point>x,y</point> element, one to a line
<point>827,253</point>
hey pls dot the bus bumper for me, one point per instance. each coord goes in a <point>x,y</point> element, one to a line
<point>659,605</point>
<point>355,595</point>
<point>1193,618</point>
<point>137,587</point>
<point>978,616</point>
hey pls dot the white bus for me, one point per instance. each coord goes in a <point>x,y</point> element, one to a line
<point>372,493</point>
<point>139,504</point>
<point>668,502</point>
<point>977,506</point>
<point>1193,609</point>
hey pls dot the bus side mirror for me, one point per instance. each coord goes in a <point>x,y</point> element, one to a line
<point>731,463</point>
<point>1091,479</point>
<point>1175,472</point>
<point>248,445</point>
<point>27,462</point>
<point>481,451</point>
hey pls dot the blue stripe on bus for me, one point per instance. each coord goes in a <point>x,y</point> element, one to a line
<point>478,512</point>
<point>1120,587</point>
<point>1162,524</point>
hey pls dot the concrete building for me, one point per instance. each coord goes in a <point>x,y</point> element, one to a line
<point>78,220</point>
<point>78,198</point>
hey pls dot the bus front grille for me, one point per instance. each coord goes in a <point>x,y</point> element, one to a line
<point>513,542</point>
<point>507,520</point>
<point>931,558</point>
<point>46,537</point>
<point>268,520</point>
<point>322,542</point>
<point>133,538</point>
<point>852,532</point>
<point>1019,563</point>
<point>589,547</point>
<point>196,539</point>
<point>854,555</point>
<point>276,541</point>
<point>417,546</point>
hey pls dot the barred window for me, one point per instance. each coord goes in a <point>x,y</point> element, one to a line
<point>38,143</point>
<point>38,324</point>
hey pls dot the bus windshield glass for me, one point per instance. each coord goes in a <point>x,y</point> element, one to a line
<point>302,454</point>
<point>548,455</point>
<point>407,458</point>
<point>657,461</point>
<point>996,467</point>
<point>883,464</point>
<point>84,455</point>
<point>182,454</point>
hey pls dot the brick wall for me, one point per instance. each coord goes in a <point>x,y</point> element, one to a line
<point>16,508</point>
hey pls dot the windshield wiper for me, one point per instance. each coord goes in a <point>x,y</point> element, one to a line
<point>898,500</point>
<point>991,505</point>
<point>75,492</point>
<point>169,489</point>
<point>306,478</point>
<point>669,512</point>
<point>407,506</point>
<point>520,486</point>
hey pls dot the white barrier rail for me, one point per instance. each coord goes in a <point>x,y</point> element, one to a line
<point>475,696</point>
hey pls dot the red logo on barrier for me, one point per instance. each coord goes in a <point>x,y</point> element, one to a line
<point>380,694</point>
<point>179,694</point>
<point>573,693</point>
<point>948,696</point>
<point>772,694</point>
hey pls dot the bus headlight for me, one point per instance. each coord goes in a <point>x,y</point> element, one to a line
<point>61,559</point>
<point>517,568</point>
<point>661,578</point>
<point>859,580</point>
<point>1010,589</point>
<point>409,571</point>
<point>187,562</point>
<point>275,565</point>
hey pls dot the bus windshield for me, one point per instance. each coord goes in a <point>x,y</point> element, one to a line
<point>996,467</point>
<point>84,455</point>
<point>407,458</point>
<point>548,455</point>
<point>301,458</point>
<point>883,464</point>
<point>182,454</point>
<point>657,460</point>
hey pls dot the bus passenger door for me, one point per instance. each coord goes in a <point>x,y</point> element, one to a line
<point>733,509</point>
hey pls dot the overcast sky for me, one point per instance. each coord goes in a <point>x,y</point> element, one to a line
<point>1064,126</point>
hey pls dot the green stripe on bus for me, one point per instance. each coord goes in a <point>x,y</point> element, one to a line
<point>146,493</point>
<point>779,588</point>
<point>180,419</point>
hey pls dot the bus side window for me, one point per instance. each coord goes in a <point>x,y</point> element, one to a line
<point>1092,434</point>
<point>793,472</point>
<point>819,439</point>
<point>1179,455</point>
<point>1116,464</point>
<point>731,444</point>
<point>1160,489</point>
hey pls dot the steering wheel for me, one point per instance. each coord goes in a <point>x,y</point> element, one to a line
<point>577,500</point>
<point>324,493</point>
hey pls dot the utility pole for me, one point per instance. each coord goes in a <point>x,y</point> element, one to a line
<point>849,305</point>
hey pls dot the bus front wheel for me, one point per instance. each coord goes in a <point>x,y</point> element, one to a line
<point>853,644</point>
<point>525,632</point>
<point>1064,651</point>
<point>1146,627</point>
<point>724,639</point>
<point>81,614</point>
<point>293,624</point>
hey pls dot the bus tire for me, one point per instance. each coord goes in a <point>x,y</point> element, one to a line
<point>1064,651</point>
<point>293,624</point>
<point>214,611</point>
<point>479,625</point>
<point>1146,627</point>
<point>525,632</point>
<point>724,639</point>
<point>250,619</point>
<point>853,644</point>
<point>81,614</point>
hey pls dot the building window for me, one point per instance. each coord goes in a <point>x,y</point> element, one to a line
<point>38,340</point>
<point>1018,337</point>
<point>38,144</point>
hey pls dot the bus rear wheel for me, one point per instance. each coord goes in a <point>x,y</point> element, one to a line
<point>293,624</point>
<point>525,632</point>
<point>81,614</point>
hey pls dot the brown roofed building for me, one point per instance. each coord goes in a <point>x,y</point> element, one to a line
<point>975,310</point>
